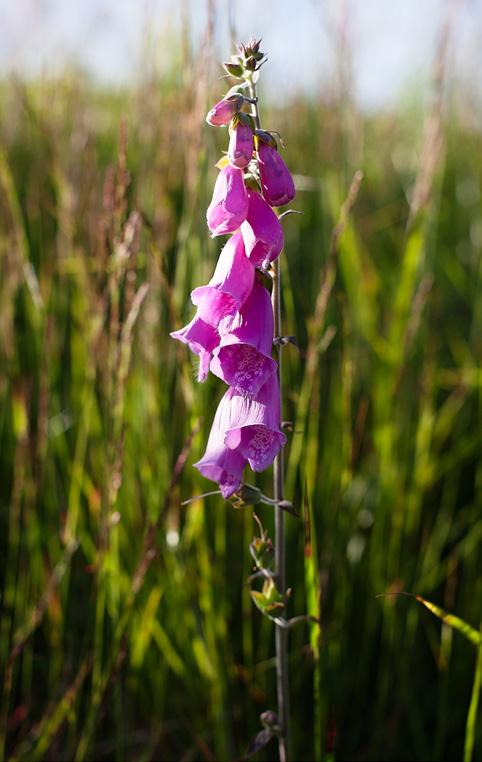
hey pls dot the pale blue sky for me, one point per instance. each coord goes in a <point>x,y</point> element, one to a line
<point>392,40</point>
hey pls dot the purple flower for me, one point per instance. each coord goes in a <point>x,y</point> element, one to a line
<point>201,339</point>
<point>229,204</point>
<point>254,430</point>
<point>241,144</point>
<point>223,111</point>
<point>244,429</point>
<point>230,285</point>
<point>276,181</point>
<point>262,232</point>
<point>243,357</point>
<point>247,427</point>
<point>220,464</point>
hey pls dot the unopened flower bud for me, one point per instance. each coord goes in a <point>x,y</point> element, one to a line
<point>276,181</point>
<point>241,141</point>
<point>269,719</point>
<point>223,111</point>
<point>251,63</point>
<point>229,205</point>
<point>251,53</point>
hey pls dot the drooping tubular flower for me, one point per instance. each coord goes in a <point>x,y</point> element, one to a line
<point>230,285</point>
<point>255,425</point>
<point>262,232</point>
<point>229,204</point>
<point>244,429</point>
<point>243,356</point>
<point>220,464</point>
<point>241,141</point>
<point>201,338</point>
<point>276,181</point>
<point>223,111</point>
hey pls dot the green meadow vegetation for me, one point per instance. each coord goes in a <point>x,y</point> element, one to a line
<point>127,630</point>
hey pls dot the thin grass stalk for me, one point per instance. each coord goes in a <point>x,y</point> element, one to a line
<point>471,726</point>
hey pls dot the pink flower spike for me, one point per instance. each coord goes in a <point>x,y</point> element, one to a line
<point>229,204</point>
<point>243,357</point>
<point>230,285</point>
<point>252,424</point>
<point>276,181</point>
<point>241,145</point>
<point>262,232</point>
<point>223,111</point>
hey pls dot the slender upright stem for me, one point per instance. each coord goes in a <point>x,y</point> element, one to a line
<point>281,635</point>
<point>254,96</point>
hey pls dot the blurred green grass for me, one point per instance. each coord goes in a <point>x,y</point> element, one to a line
<point>127,629</point>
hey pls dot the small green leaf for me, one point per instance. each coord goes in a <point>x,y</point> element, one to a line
<point>233,69</point>
<point>269,599</point>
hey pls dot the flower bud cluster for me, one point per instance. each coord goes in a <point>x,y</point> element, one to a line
<point>232,330</point>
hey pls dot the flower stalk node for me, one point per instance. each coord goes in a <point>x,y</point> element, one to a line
<point>282,341</point>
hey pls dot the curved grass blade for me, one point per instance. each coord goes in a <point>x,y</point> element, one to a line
<point>471,725</point>
<point>453,621</point>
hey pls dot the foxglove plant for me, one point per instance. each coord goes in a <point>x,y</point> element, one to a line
<point>237,324</point>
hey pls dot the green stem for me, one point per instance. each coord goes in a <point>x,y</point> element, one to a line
<point>281,635</point>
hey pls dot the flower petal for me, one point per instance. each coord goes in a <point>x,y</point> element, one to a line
<point>229,204</point>
<point>230,285</point>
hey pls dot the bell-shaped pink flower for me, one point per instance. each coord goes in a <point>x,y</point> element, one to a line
<point>243,357</point>
<point>241,145</point>
<point>254,425</point>
<point>219,463</point>
<point>244,429</point>
<point>201,338</point>
<point>262,232</point>
<point>230,285</point>
<point>223,111</point>
<point>229,204</point>
<point>276,181</point>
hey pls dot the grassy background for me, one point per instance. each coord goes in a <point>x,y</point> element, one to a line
<point>127,630</point>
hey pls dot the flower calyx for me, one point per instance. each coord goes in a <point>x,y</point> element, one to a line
<point>241,118</point>
<point>266,137</point>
